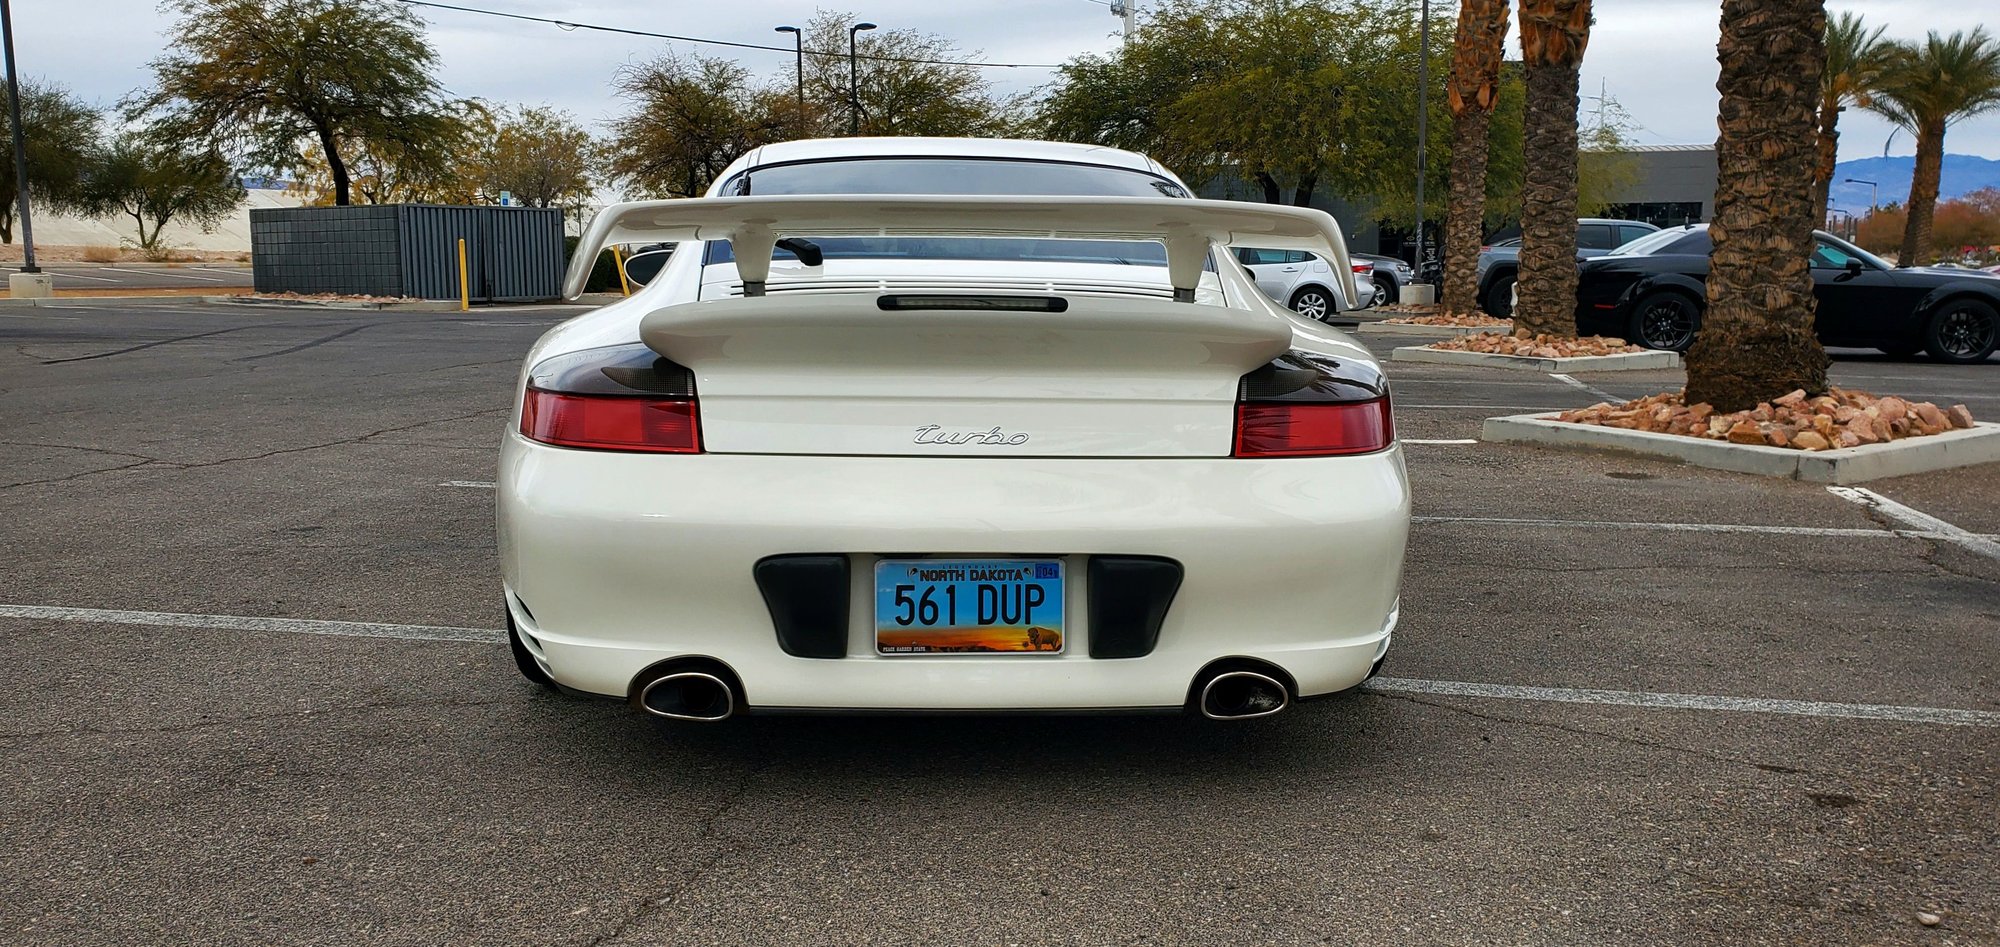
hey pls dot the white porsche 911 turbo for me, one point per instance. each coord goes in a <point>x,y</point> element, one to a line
<point>951,425</point>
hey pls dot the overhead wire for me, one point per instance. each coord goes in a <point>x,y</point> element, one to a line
<point>573,26</point>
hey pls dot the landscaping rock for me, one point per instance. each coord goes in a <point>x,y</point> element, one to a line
<point>1834,420</point>
<point>1536,346</point>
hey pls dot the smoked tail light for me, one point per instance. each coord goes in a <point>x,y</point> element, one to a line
<point>612,422</point>
<point>1313,429</point>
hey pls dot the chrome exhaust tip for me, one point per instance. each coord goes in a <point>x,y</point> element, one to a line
<point>1242,695</point>
<point>689,695</point>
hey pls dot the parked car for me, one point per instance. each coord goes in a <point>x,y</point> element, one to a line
<point>1500,262</point>
<point>1387,274</point>
<point>1299,279</point>
<point>1652,293</point>
<point>951,425</point>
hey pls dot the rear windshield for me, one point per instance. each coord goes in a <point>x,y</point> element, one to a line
<point>957,176</point>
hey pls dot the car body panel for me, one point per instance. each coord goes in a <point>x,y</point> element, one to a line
<point>808,399</point>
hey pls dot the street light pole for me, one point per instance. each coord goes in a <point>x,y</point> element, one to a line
<point>20,147</point>
<point>799,39</point>
<point>854,79</point>
<point>1872,188</point>
<point>1423,110</point>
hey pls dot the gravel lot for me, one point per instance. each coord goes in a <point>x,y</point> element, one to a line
<point>1823,770</point>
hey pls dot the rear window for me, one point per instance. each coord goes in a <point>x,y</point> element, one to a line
<point>917,175</point>
<point>1596,237</point>
<point>1695,243</point>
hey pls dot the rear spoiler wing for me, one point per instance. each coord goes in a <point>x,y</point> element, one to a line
<point>753,225</point>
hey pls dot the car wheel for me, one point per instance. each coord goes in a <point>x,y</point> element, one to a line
<point>1664,320</point>
<point>1385,293</point>
<point>1963,330</point>
<point>524,661</point>
<point>1312,302</point>
<point>1500,297</point>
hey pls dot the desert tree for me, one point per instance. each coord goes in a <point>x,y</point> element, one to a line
<point>1472,93</point>
<point>156,183</point>
<point>1927,88</point>
<point>60,133</point>
<point>687,118</point>
<point>1554,34</point>
<point>1855,58</point>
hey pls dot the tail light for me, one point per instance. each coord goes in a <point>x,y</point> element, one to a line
<point>1308,405</point>
<point>619,398</point>
<point>1362,268</point>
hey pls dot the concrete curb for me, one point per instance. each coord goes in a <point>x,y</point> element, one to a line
<point>1629,361</point>
<point>1960,448</point>
<point>428,305</point>
<point>59,301</point>
<point>1439,332</point>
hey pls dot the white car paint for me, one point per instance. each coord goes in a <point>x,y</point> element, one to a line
<point>809,398</point>
<point>1284,274</point>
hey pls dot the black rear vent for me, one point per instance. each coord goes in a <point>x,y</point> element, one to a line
<point>807,596</point>
<point>1129,597</point>
<point>630,369</point>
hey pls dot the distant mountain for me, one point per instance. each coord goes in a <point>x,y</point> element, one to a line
<point>1962,174</point>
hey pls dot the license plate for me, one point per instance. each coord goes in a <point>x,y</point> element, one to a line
<point>969,606</point>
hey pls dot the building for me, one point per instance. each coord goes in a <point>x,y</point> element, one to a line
<point>1673,185</point>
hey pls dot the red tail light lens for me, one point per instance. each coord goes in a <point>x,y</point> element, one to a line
<point>1362,268</point>
<point>612,422</point>
<point>1313,429</point>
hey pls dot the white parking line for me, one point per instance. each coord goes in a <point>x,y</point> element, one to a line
<point>162,272</point>
<point>1487,407</point>
<point>101,279</point>
<point>1599,392</point>
<point>1934,528</point>
<point>1448,440</point>
<point>1756,705</point>
<point>1841,531</point>
<point>1929,715</point>
<point>296,626</point>
<point>470,484</point>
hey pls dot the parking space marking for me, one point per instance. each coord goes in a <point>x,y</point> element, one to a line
<point>1599,392</point>
<point>1933,527</point>
<point>1840,531</point>
<point>205,279</point>
<point>1487,407</point>
<point>470,484</point>
<point>297,626</point>
<point>1446,440</point>
<point>1758,705</point>
<point>101,279</point>
<point>493,636</point>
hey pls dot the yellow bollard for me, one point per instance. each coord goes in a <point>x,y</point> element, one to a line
<point>464,291</point>
<point>619,259</point>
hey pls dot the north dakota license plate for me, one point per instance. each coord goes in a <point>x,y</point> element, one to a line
<point>968,606</point>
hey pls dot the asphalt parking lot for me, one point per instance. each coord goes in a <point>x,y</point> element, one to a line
<point>1629,703</point>
<point>105,276</point>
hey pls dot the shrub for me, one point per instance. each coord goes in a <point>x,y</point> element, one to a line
<point>100,254</point>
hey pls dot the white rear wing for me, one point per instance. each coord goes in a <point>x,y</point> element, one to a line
<point>753,225</point>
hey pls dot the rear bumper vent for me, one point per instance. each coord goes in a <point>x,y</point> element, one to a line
<point>1129,598</point>
<point>807,596</point>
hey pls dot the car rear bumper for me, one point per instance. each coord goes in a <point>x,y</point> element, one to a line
<point>616,562</point>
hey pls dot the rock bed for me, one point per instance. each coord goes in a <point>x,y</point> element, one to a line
<point>1836,419</point>
<point>1476,320</point>
<point>1537,346</point>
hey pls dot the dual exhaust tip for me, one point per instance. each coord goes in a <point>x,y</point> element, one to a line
<point>690,695</point>
<point>1242,695</point>
<point>703,697</point>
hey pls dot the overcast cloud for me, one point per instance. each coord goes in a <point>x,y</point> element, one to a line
<point>1657,57</point>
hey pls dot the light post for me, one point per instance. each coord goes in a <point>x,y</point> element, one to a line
<point>854,79</point>
<point>1872,188</point>
<point>1423,109</point>
<point>799,40</point>
<point>20,148</point>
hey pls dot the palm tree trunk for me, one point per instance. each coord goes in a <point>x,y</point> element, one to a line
<point>1923,195</point>
<point>1828,155</point>
<point>1548,204</point>
<point>1757,340</point>
<point>1475,77</point>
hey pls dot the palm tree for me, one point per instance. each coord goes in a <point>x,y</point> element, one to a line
<point>1553,35</point>
<point>1927,89</point>
<point>1474,88</point>
<point>1855,58</point>
<point>1757,339</point>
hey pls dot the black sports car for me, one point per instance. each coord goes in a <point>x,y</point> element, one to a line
<point>1651,293</point>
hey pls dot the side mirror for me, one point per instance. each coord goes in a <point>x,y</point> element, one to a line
<point>1853,267</point>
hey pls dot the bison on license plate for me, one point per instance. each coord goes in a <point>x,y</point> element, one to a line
<point>971,606</point>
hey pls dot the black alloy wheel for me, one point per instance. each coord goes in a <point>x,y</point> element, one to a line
<point>1665,320</point>
<point>1964,330</point>
<point>1500,297</point>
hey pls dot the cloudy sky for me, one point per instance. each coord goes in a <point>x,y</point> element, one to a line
<point>1656,57</point>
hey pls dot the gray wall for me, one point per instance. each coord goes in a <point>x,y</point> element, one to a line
<point>512,253</point>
